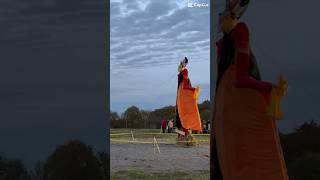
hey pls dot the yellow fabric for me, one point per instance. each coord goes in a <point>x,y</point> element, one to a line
<point>282,86</point>
<point>247,139</point>
<point>274,109</point>
<point>196,93</point>
<point>228,24</point>
<point>188,109</point>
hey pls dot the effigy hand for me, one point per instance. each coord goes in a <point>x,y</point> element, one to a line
<point>196,92</point>
<point>278,91</point>
<point>282,86</point>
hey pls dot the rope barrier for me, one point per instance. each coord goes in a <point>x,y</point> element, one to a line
<point>166,134</point>
<point>133,135</point>
<point>152,142</point>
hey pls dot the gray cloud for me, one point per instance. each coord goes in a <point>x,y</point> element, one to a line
<point>156,32</point>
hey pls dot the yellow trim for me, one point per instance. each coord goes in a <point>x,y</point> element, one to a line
<point>274,110</point>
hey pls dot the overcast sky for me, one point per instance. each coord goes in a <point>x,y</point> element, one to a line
<point>285,39</point>
<point>52,75</point>
<point>148,39</point>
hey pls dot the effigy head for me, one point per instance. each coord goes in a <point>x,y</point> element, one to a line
<point>232,13</point>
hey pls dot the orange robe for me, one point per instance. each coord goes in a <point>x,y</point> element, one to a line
<point>187,106</point>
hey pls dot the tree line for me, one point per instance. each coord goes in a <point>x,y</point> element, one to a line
<point>301,150</point>
<point>71,160</point>
<point>136,118</point>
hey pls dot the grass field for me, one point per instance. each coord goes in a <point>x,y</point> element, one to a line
<point>140,175</point>
<point>137,158</point>
<point>147,136</point>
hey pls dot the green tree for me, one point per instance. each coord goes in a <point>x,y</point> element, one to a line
<point>306,139</point>
<point>104,158</point>
<point>305,167</point>
<point>114,116</point>
<point>73,160</point>
<point>205,115</point>
<point>309,127</point>
<point>13,169</point>
<point>146,118</point>
<point>301,150</point>
<point>38,171</point>
<point>115,120</point>
<point>133,117</point>
<point>205,105</point>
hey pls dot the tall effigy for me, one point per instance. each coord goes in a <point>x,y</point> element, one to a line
<point>187,112</point>
<point>246,144</point>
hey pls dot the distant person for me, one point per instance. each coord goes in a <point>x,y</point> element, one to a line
<point>208,126</point>
<point>205,130</point>
<point>170,126</point>
<point>164,125</point>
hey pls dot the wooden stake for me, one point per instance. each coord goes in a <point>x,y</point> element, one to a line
<point>132,136</point>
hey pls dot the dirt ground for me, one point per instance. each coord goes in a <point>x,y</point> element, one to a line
<point>172,157</point>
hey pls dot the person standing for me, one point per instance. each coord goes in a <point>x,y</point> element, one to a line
<point>170,126</point>
<point>164,125</point>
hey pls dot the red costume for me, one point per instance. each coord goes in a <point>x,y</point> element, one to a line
<point>163,123</point>
<point>240,36</point>
<point>186,81</point>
